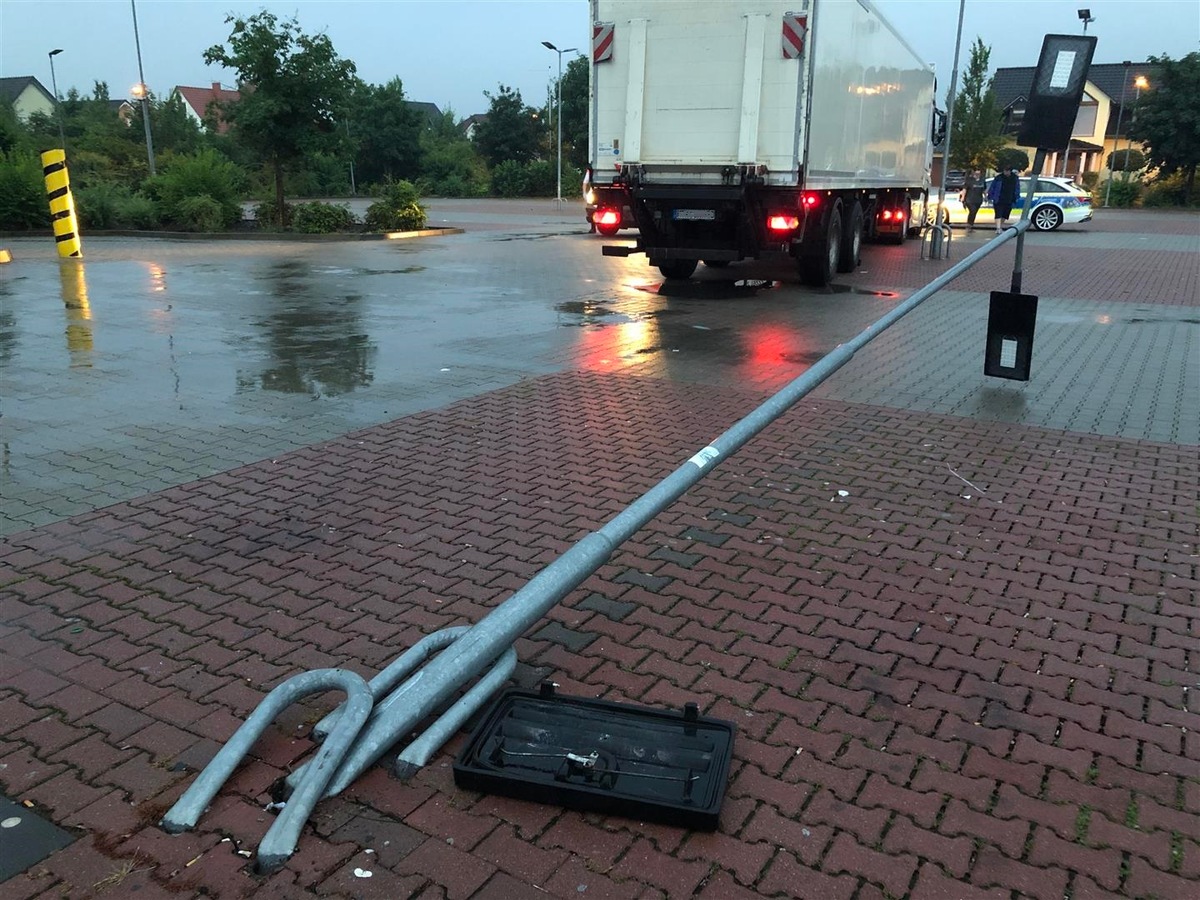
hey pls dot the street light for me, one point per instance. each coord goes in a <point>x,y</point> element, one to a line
<point>1139,83</point>
<point>141,92</point>
<point>1085,16</point>
<point>558,91</point>
<point>57,106</point>
<point>1112,157</point>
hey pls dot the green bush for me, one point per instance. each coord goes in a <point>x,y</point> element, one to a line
<point>140,212</point>
<point>266,214</point>
<point>23,202</point>
<point>200,213</point>
<point>1123,194</point>
<point>1169,190</point>
<point>398,209</point>
<point>322,218</point>
<point>100,205</point>
<point>510,179</point>
<point>199,175</point>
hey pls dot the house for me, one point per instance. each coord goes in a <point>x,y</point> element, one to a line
<point>1100,116</point>
<point>197,100</point>
<point>471,123</point>
<point>429,111</point>
<point>123,110</point>
<point>27,96</point>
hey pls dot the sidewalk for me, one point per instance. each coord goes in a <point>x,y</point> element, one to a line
<point>970,674</point>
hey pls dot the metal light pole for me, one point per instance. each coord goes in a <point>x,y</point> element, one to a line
<point>935,242</point>
<point>1112,157</point>
<point>558,92</point>
<point>1138,83</point>
<point>141,91</point>
<point>57,106</point>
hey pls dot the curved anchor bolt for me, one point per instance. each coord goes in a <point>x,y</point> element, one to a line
<point>405,663</point>
<point>280,840</point>
<point>416,754</point>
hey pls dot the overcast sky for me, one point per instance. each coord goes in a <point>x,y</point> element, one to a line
<point>449,52</point>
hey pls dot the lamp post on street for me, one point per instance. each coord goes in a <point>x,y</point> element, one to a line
<point>141,92</point>
<point>1139,83</point>
<point>558,92</point>
<point>62,138</point>
<point>1112,157</point>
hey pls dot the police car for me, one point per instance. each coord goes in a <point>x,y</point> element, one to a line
<point>1055,201</point>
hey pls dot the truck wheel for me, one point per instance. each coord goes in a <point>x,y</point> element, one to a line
<point>817,270</point>
<point>850,252</point>
<point>677,269</point>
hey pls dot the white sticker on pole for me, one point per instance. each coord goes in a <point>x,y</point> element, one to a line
<point>1064,63</point>
<point>705,456</point>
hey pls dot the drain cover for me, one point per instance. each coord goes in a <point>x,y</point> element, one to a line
<point>25,839</point>
<point>615,758</point>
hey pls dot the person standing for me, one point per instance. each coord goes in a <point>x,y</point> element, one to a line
<point>972,196</point>
<point>1003,192</point>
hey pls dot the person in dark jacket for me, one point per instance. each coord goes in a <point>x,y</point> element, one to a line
<point>1003,192</point>
<point>972,196</point>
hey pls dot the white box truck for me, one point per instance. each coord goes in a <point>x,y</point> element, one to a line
<point>746,129</point>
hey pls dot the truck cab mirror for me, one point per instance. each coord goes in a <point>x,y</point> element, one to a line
<point>939,127</point>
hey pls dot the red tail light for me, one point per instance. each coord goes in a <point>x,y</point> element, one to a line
<point>899,214</point>
<point>607,216</point>
<point>886,215</point>
<point>810,200</point>
<point>892,215</point>
<point>783,223</point>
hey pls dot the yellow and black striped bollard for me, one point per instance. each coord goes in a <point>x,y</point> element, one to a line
<point>62,204</point>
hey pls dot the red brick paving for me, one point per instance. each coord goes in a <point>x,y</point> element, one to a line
<point>941,691</point>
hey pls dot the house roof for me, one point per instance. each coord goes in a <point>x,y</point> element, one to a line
<point>429,110</point>
<point>11,88</point>
<point>200,98</point>
<point>478,118</point>
<point>1015,83</point>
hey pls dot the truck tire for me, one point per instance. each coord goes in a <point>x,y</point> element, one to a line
<point>677,269</point>
<point>817,269</point>
<point>850,253</point>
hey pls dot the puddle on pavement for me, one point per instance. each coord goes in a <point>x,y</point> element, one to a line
<point>710,290</point>
<point>583,312</point>
<point>865,292</point>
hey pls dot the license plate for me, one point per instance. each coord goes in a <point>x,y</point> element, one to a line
<point>694,215</point>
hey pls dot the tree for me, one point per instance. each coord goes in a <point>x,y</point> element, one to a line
<point>1012,158</point>
<point>975,134</point>
<point>450,165</point>
<point>292,86</point>
<point>575,112</point>
<point>387,130</point>
<point>510,131</point>
<point>1168,119</point>
<point>1117,159</point>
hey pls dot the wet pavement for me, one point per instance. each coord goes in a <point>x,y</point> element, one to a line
<point>965,676</point>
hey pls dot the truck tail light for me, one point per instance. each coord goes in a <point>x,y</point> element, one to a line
<point>607,216</point>
<point>783,223</point>
<point>808,201</point>
<point>892,215</point>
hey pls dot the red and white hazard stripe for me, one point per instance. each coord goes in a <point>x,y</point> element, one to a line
<point>602,41</point>
<point>794,29</point>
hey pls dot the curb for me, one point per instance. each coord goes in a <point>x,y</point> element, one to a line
<point>257,235</point>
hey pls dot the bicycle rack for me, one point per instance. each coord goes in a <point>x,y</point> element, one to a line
<point>280,841</point>
<point>928,231</point>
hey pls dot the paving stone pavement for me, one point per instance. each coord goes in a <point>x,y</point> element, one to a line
<point>971,674</point>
